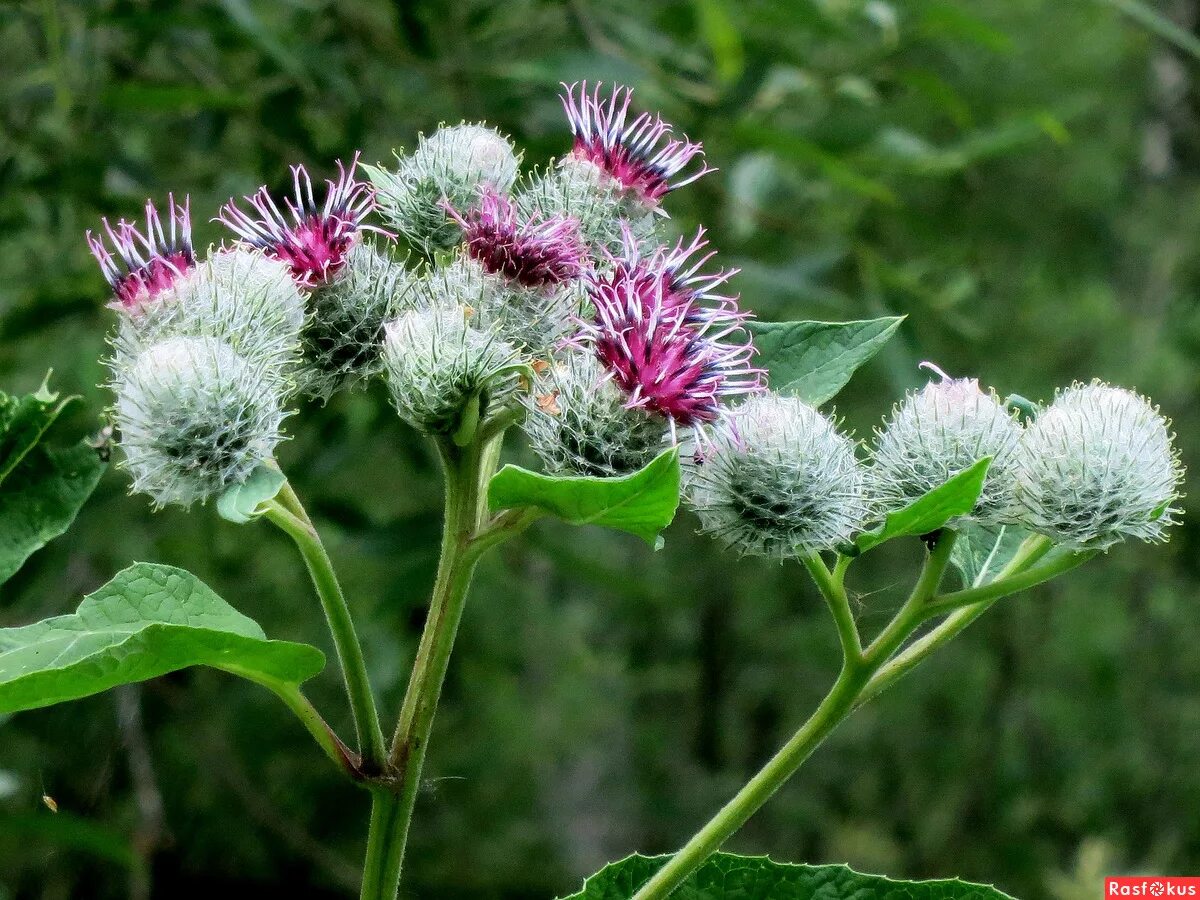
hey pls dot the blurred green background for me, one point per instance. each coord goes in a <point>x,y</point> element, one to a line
<point>1021,178</point>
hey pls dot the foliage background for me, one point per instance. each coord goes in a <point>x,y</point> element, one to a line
<point>1019,177</point>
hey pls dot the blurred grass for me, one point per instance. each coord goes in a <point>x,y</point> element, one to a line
<point>1022,179</point>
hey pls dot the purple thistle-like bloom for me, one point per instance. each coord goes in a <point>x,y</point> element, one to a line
<point>642,155</point>
<point>535,252</point>
<point>662,342</point>
<point>314,240</point>
<point>141,266</point>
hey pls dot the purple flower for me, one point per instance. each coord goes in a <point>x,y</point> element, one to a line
<point>535,252</point>
<point>642,156</point>
<point>312,239</point>
<point>667,338</point>
<point>141,266</point>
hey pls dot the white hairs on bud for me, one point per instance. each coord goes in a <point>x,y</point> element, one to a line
<point>1099,465</point>
<point>194,418</point>
<point>344,336</point>
<point>578,189</point>
<point>937,433</point>
<point>439,365</point>
<point>778,480</point>
<point>453,164</point>
<point>239,297</point>
<point>579,424</point>
<point>531,319</point>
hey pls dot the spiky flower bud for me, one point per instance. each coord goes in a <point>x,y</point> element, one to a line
<point>938,432</point>
<point>778,480</point>
<point>453,165</point>
<point>445,374</point>
<point>344,335</point>
<point>1097,466</point>
<point>194,418</point>
<point>239,297</point>
<point>579,190</point>
<point>579,422</point>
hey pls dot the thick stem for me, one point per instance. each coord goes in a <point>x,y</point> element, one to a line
<point>289,516</point>
<point>385,847</point>
<point>832,586</point>
<point>838,704</point>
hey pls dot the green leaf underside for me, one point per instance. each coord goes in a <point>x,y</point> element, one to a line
<point>929,513</point>
<point>147,621</point>
<point>642,503</point>
<point>40,499</point>
<point>725,876</point>
<point>983,550</point>
<point>814,360</point>
<point>242,503</point>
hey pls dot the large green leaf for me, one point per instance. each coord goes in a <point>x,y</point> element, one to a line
<point>148,621</point>
<point>814,360</point>
<point>642,503</point>
<point>725,876</point>
<point>929,513</point>
<point>41,487</point>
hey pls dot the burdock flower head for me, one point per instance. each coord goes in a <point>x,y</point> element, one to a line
<point>314,239</point>
<point>674,346</point>
<point>140,266</point>
<point>533,251</point>
<point>641,155</point>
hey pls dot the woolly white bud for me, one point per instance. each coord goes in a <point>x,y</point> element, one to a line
<point>445,374</point>
<point>343,338</point>
<point>531,319</point>
<point>450,165</point>
<point>940,431</point>
<point>778,480</point>
<point>1098,466</point>
<point>578,189</point>
<point>239,297</point>
<point>579,424</point>
<point>194,418</point>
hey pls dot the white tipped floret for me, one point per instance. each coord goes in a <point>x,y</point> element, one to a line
<point>579,422</point>
<point>937,433</point>
<point>238,296</point>
<point>1099,465</point>
<point>452,165</point>
<point>778,480</point>
<point>194,418</point>
<point>446,375</point>
<point>344,335</point>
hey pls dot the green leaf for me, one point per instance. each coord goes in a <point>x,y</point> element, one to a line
<point>814,360</point>
<point>929,513</point>
<point>243,502</point>
<point>23,422</point>
<point>41,498</point>
<point>148,621</point>
<point>642,503</point>
<point>725,876</point>
<point>983,550</point>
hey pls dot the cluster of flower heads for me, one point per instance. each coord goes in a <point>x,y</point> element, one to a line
<point>556,293</point>
<point>1093,468</point>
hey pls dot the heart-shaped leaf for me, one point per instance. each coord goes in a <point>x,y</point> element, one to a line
<point>148,621</point>
<point>929,513</point>
<point>725,876</point>
<point>642,503</point>
<point>814,360</point>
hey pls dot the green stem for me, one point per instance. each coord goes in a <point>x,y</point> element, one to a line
<point>832,586</point>
<point>288,514</point>
<point>385,848</point>
<point>302,707</point>
<point>911,614</point>
<point>838,704</point>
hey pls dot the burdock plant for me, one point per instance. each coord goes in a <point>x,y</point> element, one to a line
<point>562,305</point>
